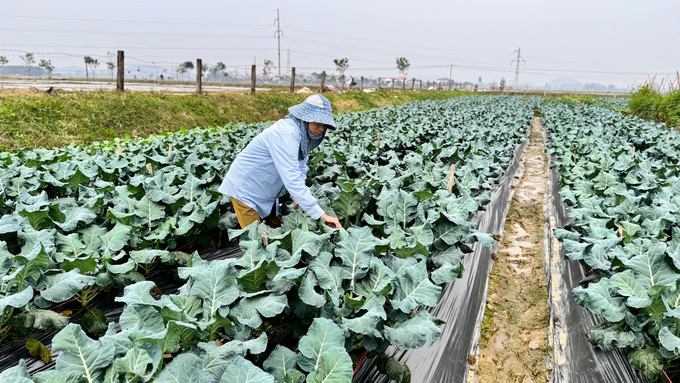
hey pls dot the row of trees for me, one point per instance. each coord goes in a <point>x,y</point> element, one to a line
<point>219,70</point>
<point>215,71</point>
<point>341,65</point>
<point>93,63</point>
<point>28,61</point>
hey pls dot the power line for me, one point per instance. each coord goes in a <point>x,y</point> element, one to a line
<point>151,62</point>
<point>46,53</point>
<point>117,33</point>
<point>134,21</point>
<point>296,29</point>
<point>542,71</point>
<point>366,50</point>
<point>397,44</point>
<point>331,45</point>
<point>165,3</point>
<point>306,42</point>
<point>145,48</point>
<point>321,55</point>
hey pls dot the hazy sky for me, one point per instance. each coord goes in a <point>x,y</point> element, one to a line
<point>611,42</point>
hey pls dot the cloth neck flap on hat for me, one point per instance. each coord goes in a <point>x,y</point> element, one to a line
<point>309,141</point>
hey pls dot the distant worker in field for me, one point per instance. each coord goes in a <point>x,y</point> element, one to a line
<point>277,158</point>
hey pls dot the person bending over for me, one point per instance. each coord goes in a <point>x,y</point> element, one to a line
<point>277,158</point>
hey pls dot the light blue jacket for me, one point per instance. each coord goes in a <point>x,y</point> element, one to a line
<point>267,165</point>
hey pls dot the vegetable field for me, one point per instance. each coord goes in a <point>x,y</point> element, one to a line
<point>303,302</point>
<point>620,181</point>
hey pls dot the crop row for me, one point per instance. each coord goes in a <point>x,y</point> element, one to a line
<point>620,180</point>
<point>100,215</point>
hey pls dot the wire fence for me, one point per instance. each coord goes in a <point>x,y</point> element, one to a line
<point>225,70</point>
<point>105,67</point>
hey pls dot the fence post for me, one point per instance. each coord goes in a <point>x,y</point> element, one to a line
<point>362,83</point>
<point>199,77</point>
<point>392,84</point>
<point>253,77</point>
<point>413,84</point>
<point>420,87</point>
<point>379,81</point>
<point>292,80</point>
<point>120,76</point>
<point>323,81</point>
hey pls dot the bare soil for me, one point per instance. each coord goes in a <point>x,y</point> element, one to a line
<point>514,344</point>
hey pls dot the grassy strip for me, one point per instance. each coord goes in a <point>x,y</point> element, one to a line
<point>40,120</point>
<point>577,99</point>
<point>650,105</point>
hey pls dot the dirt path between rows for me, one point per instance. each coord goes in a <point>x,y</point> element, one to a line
<point>514,345</point>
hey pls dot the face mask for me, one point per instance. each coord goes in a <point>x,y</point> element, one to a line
<point>313,136</point>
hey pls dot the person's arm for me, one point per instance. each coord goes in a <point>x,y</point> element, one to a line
<point>303,170</point>
<point>284,152</point>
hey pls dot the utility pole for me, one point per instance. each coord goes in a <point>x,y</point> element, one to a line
<point>279,32</point>
<point>323,82</point>
<point>120,76</point>
<point>199,76</point>
<point>517,59</point>
<point>288,66</point>
<point>451,73</point>
<point>253,79</point>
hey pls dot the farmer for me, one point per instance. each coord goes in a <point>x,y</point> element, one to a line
<point>275,159</point>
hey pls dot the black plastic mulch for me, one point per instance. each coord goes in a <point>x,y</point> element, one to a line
<point>461,304</point>
<point>576,360</point>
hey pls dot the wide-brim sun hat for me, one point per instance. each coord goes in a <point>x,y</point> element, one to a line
<point>316,108</point>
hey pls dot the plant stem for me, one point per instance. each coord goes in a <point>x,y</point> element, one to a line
<point>149,267</point>
<point>4,333</point>
<point>84,296</point>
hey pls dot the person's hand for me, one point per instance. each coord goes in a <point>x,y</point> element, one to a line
<point>331,221</point>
